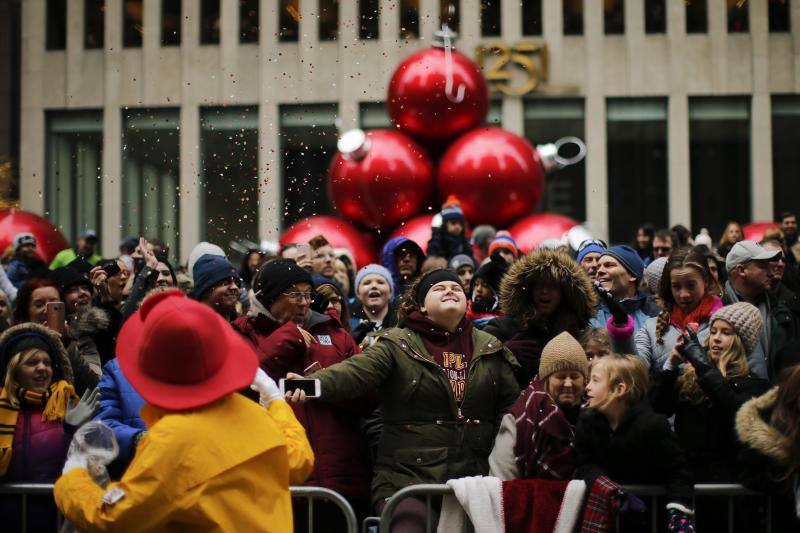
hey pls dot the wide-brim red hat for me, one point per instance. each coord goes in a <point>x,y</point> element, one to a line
<point>179,354</point>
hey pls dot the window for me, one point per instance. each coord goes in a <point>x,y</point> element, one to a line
<point>547,120</point>
<point>614,17</point>
<point>289,20</point>
<point>328,20</point>
<point>655,16</point>
<point>409,19</point>
<point>94,12</point>
<point>170,22</point>
<point>696,16</point>
<point>56,24</point>
<point>308,143</point>
<point>150,174</point>
<point>719,159</point>
<point>209,22</point>
<point>531,17</point>
<point>738,16</point>
<point>248,21</point>
<point>449,12</point>
<point>636,133</point>
<point>490,18</point>
<point>779,16</point>
<point>132,17</point>
<point>573,17</point>
<point>368,19</point>
<point>785,155</point>
<point>73,187</point>
<point>229,167</point>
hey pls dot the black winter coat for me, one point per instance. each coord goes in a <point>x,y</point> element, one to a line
<point>442,244</point>
<point>706,431</point>
<point>526,345</point>
<point>642,450</point>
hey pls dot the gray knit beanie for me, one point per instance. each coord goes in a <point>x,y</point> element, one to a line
<point>653,274</point>
<point>746,321</point>
<point>563,352</point>
<point>377,270</point>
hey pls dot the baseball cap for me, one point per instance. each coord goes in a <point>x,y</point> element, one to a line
<point>746,251</point>
<point>88,235</point>
<point>21,239</point>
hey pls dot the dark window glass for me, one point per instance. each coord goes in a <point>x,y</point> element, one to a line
<point>409,19</point>
<point>490,18</point>
<point>229,163</point>
<point>132,17</point>
<point>289,20</point>
<point>547,120</point>
<point>170,22</point>
<point>655,16</point>
<point>56,24</point>
<point>94,13</point>
<point>573,17</point>
<point>328,20</point>
<point>451,16</point>
<point>738,16</point>
<point>308,143</point>
<point>248,21</point>
<point>368,18</point>
<point>779,16</point>
<point>696,16</point>
<point>209,22</point>
<point>719,155</point>
<point>150,174</point>
<point>531,17</point>
<point>614,17</point>
<point>637,164</point>
<point>785,155</point>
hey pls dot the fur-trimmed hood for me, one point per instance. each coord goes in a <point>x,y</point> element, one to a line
<point>52,337</point>
<point>87,322</point>
<point>577,293</point>
<point>756,433</point>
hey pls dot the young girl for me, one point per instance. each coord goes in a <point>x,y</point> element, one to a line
<point>620,436</point>
<point>706,395</point>
<point>596,342</point>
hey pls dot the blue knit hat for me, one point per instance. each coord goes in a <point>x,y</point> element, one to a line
<point>593,248</point>
<point>628,258</point>
<point>378,270</point>
<point>210,270</point>
<point>452,212</point>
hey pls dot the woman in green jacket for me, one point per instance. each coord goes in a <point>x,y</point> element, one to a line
<point>443,389</point>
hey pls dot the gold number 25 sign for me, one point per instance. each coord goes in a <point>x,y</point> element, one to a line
<point>498,61</point>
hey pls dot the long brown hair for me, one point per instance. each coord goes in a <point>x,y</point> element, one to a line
<point>684,258</point>
<point>722,240</point>
<point>786,413</point>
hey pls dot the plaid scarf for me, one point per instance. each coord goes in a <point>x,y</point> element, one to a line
<point>602,506</point>
<point>54,400</point>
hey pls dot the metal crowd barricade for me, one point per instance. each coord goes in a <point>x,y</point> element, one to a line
<point>306,493</point>
<point>652,492</point>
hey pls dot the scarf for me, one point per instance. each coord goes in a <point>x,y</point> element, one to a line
<point>54,400</point>
<point>699,315</point>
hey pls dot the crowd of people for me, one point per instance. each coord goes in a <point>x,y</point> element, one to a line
<point>668,361</point>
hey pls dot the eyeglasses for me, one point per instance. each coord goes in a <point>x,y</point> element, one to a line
<point>592,242</point>
<point>299,296</point>
<point>662,248</point>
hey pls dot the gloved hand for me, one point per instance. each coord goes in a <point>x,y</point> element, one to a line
<point>266,387</point>
<point>617,311</point>
<point>694,353</point>
<point>680,519</point>
<point>83,411</point>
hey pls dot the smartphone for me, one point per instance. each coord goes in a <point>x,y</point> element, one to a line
<point>304,250</point>
<point>55,316</point>
<point>111,269</point>
<point>310,386</point>
<point>694,326</point>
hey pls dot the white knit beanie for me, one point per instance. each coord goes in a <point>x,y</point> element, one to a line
<point>202,248</point>
<point>653,272</point>
<point>746,321</point>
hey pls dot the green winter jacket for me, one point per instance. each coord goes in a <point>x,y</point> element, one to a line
<point>426,438</point>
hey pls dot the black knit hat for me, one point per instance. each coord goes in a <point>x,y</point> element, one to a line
<point>68,277</point>
<point>492,272</point>
<point>25,340</point>
<point>275,277</point>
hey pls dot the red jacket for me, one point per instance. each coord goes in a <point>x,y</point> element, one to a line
<point>334,431</point>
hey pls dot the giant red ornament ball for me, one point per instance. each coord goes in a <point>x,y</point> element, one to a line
<point>381,180</point>
<point>496,175</point>
<point>531,231</point>
<point>418,229</point>
<point>755,230</point>
<point>49,241</point>
<point>417,101</point>
<point>340,233</point>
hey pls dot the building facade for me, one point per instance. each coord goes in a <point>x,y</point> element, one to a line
<point>216,119</point>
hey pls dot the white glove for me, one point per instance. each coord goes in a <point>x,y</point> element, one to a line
<point>75,460</point>
<point>266,387</point>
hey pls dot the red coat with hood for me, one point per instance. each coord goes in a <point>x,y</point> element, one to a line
<point>340,448</point>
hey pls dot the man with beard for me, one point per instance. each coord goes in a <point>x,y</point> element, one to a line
<point>216,284</point>
<point>789,228</point>
<point>485,303</point>
<point>403,258</point>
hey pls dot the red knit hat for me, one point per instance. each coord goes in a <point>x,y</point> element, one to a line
<point>179,354</point>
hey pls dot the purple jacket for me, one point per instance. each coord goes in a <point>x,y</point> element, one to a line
<point>39,449</point>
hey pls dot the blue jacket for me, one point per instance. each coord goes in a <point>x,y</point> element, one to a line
<point>119,409</point>
<point>389,261</point>
<point>638,307</point>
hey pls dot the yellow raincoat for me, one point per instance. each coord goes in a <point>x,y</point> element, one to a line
<point>224,467</point>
